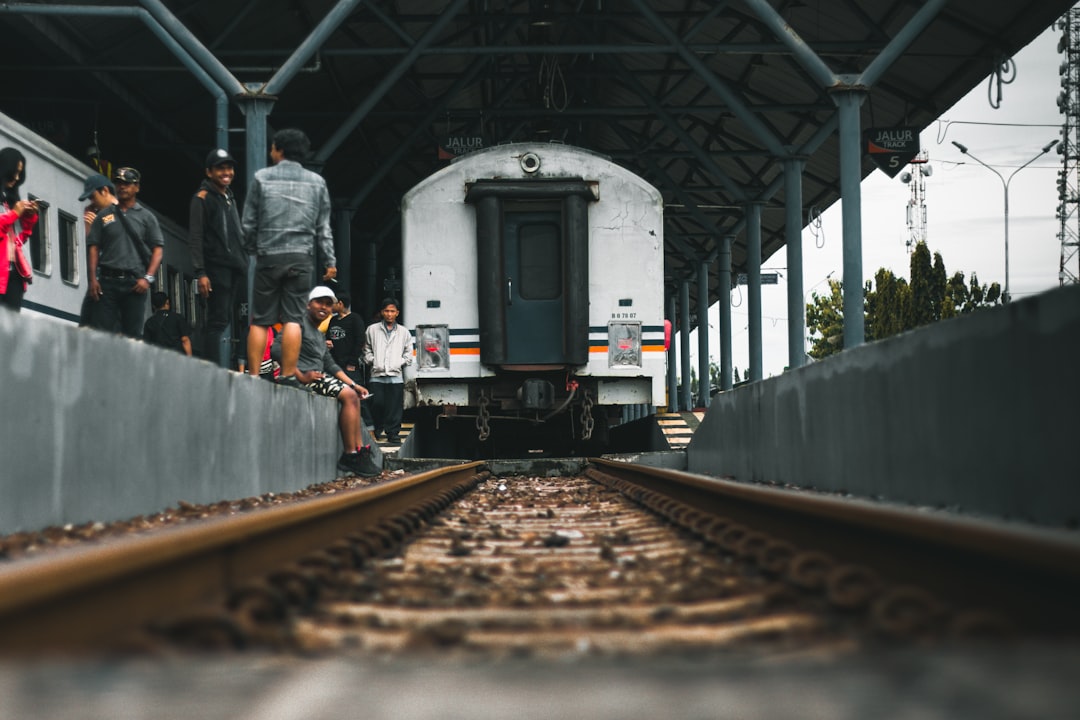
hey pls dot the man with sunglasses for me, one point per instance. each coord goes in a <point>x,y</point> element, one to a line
<point>125,246</point>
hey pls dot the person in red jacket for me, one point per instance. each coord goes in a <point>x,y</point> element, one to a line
<point>17,220</point>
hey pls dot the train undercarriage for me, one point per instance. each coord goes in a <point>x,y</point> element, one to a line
<point>533,416</point>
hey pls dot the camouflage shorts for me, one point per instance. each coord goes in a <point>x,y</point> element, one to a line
<point>327,385</point>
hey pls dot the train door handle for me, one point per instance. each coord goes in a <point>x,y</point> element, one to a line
<point>509,291</point>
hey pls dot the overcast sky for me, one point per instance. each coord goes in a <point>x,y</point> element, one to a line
<point>964,204</point>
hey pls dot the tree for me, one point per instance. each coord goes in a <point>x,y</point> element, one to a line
<point>922,303</point>
<point>715,378</point>
<point>889,307</point>
<point>892,305</point>
<point>825,318</point>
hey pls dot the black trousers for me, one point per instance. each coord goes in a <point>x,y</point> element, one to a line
<point>119,309</point>
<point>223,313</point>
<point>15,290</point>
<point>386,402</point>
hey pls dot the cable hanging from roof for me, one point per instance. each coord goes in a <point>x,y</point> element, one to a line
<point>1003,74</point>
<point>554,84</point>
<point>813,223</point>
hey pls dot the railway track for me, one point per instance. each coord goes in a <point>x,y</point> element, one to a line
<point>618,560</point>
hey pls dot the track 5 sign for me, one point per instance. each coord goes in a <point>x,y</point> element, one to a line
<point>891,148</point>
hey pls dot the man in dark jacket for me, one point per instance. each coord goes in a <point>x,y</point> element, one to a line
<point>167,328</point>
<point>215,239</point>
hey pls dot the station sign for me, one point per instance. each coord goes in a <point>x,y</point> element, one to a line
<point>766,278</point>
<point>891,148</point>
<point>452,146</point>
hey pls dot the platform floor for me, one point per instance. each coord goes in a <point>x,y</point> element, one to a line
<point>1022,683</point>
<point>391,449</point>
<point>679,427</point>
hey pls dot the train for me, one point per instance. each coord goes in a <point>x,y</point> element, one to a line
<point>57,249</point>
<point>533,280</point>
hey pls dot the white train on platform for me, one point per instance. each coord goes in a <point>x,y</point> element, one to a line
<point>533,280</point>
<point>57,249</point>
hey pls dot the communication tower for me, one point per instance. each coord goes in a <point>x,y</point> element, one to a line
<point>916,207</point>
<point>1068,182</point>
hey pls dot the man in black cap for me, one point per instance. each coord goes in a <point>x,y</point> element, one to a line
<point>215,238</point>
<point>125,246</point>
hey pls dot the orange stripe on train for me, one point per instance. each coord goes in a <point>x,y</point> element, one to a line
<point>644,348</point>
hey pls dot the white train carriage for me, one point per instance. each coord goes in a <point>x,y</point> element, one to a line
<point>533,279</point>
<point>57,248</point>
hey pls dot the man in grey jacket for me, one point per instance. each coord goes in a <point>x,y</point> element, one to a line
<point>286,222</point>
<point>388,349</point>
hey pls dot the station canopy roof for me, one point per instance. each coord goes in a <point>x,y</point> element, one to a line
<point>695,96</point>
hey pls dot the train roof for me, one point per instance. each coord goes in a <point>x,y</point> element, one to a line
<point>678,91</point>
<point>573,162</point>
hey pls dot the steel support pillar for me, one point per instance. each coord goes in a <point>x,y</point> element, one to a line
<point>753,293</point>
<point>793,225</point>
<point>343,249</point>
<point>704,381</point>
<point>256,108</point>
<point>686,400</point>
<point>847,102</point>
<point>723,273</point>
<point>672,374</point>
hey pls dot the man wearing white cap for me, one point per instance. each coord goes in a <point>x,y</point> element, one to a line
<point>316,371</point>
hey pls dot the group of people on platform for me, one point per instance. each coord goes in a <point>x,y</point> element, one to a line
<point>318,344</point>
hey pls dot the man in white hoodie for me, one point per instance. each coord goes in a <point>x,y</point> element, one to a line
<point>389,348</point>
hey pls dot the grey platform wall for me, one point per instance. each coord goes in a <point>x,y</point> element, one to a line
<point>981,412</point>
<point>98,427</point>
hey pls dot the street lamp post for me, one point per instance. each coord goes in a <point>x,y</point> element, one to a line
<point>1005,296</point>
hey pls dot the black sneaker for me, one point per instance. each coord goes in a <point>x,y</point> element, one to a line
<point>359,463</point>
<point>291,381</point>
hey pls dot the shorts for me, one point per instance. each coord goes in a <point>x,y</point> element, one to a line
<point>327,385</point>
<point>282,283</point>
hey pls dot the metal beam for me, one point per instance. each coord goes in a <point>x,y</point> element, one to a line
<point>674,127</point>
<point>311,44</point>
<point>418,129</point>
<point>387,82</point>
<point>756,127</point>
<point>167,39</point>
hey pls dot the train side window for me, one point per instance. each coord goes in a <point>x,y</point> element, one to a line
<point>181,293</point>
<point>540,258</point>
<point>39,245</point>
<point>176,287</point>
<point>69,247</point>
<point>191,301</point>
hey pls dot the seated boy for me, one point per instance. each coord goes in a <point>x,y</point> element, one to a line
<point>316,371</point>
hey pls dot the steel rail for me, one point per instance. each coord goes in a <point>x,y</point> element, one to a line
<point>92,596</point>
<point>1029,576</point>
